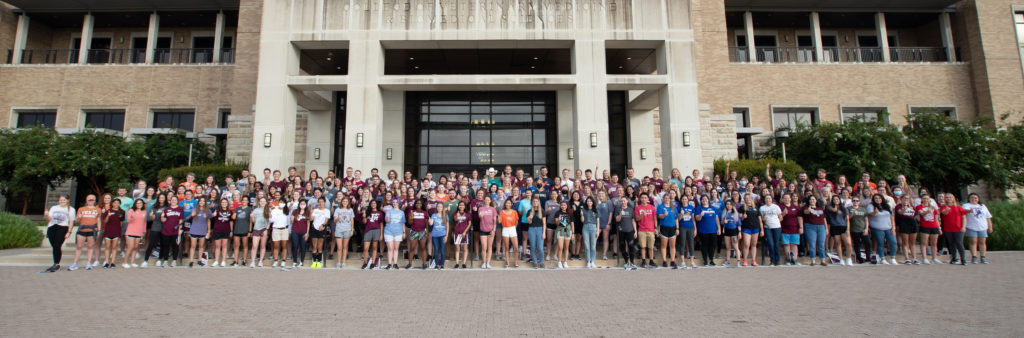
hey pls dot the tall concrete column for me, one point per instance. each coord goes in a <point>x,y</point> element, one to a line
<point>819,50</point>
<point>947,36</point>
<point>394,129</point>
<point>679,108</point>
<point>218,37</point>
<point>364,114</point>
<point>319,131</point>
<point>20,38</point>
<point>591,104</point>
<point>883,35</point>
<point>566,135</point>
<point>748,24</point>
<point>152,36</point>
<point>86,43</point>
<point>276,105</point>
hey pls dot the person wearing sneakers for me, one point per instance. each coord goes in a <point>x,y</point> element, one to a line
<point>813,216</point>
<point>880,221</point>
<point>241,228</point>
<point>687,232</point>
<point>792,228</point>
<point>979,225</point>
<point>906,227</point>
<point>221,225</point>
<point>563,232</point>
<point>928,215</point>
<point>753,227</point>
<point>394,229</point>
<point>135,229</point>
<point>343,217</point>
<point>708,228</point>
<point>418,217</point>
<point>111,219</point>
<point>59,220</point>
<point>626,227</point>
<point>300,232</point>
<point>171,218</point>
<point>439,232</point>
<point>88,219</point>
<point>536,232</point>
<point>372,237</point>
<point>259,222</point>
<point>838,218</point>
<point>198,232</point>
<point>155,226</point>
<point>668,230</point>
<point>509,218</point>
<point>953,219</point>
<point>644,214</point>
<point>277,215</point>
<point>488,220</point>
<point>320,229</point>
<point>730,230</point>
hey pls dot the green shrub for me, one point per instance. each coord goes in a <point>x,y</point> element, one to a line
<point>217,170</point>
<point>1008,221</point>
<point>751,168</point>
<point>18,232</point>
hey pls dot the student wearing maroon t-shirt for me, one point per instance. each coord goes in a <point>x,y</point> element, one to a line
<point>371,233</point>
<point>111,219</point>
<point>792,228</point>
<point>930,232</point>
<point>221,222</point>
<point>488,220</point>
<point>460,232</point>
<point>814,228</point>
<point>171,218</point>
<point>300,232</point>
<point>417,220</point>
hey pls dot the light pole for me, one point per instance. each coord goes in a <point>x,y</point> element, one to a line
<point>782,135</point>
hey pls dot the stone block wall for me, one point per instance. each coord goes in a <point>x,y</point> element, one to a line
<point>239,142</point>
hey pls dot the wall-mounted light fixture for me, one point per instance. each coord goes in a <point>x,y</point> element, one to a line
<point>593,140</point>
<point>389,153</point>
<point>572,153</point>
<point>643,153</point>
<point>316,153</point>
<point>359,140</point>
<point>266,140</point>
<point>181,39</point>
<point>686,139</point>
<point>121,40</point>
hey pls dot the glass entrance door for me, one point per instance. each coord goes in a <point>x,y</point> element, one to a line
<point>465,131</point>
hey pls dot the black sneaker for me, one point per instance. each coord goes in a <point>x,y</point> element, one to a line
<point>407,266</point>
<point>371,266</point>
<point>365,265</point>
<point>643,264</point>
<point>190,264</point>
<point>665,264</point>
<point>674,267</point>
<point>463,266</point>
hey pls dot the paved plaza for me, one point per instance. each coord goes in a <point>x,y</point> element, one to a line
<point>976,300</point>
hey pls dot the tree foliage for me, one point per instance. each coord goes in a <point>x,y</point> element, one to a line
<point>100,160</point>
<point>28,162</point>
<point>948,155</point>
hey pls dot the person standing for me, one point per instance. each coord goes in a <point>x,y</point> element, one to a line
<point>88,228</point>
<point>708,228</point>
<point>439,233</point>
<point>953,220</point>
<point>626,228</point>
<point>488,220</point>
<point>171,218</point>
<point>814,228</point>
<point>771,217</point>
<point>928,215</point>
<point>136,228</point>
<point>241,228</point>
<point>753,228</point>
<point>590,220</point>
<point>979,226</point>
<point>509,218</point>
<point>536,232</point>
<point>112,219</point>
<point>668,230</point>
<point>881,220</point>
<point>59,220</point>
<point>644,215</point>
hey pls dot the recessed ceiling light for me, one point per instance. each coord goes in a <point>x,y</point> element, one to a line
<point>620,67</point>
<point>339,68</point>
<point>416,67</point>
<point>412,58</point>
<point>536,58</point>
<point>533,67</point>
<point>328,58</point>
<point>629,58</point>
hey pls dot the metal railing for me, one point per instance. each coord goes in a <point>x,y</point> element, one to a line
<point>839,54</point>
<point>121,56</point>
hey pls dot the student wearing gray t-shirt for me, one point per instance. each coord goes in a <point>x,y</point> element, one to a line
<point>626,226</point>
<point>880,221</point>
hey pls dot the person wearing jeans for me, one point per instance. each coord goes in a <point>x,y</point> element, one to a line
<point>299,233</point>
<point>880,221</point>
<point>590,218</point>
<point>814,230</point>
<point>536,233</point>
<point>439,236</point>
<point>771,216</point>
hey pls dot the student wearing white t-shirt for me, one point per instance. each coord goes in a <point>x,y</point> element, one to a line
<point>979,225</point>
<point>771,217</point>
<point>59,220</point>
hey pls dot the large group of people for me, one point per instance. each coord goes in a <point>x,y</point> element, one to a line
<point>507,217</point>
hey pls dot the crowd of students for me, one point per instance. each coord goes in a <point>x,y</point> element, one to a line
<point>507,217</point>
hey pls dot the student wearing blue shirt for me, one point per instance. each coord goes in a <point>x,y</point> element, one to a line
<point>668,229</point>
<point>708,228</point>
<point>523,208</point>
<point>439,236</point>
<point>188,205</point>
<point>687,231</point>
<point>730,221</point>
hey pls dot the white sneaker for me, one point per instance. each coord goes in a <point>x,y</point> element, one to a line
<point>887,262</point>
<point>88,266</point>
<point>73,267</point>
<point>126,266</point>
<point>892,260</point>
<point>274,265</point>
<point>174,263</point>
<point>937,261</point>
<point>252,264</point>
<point>135,265</point>
<point>295,264</point>
<point>849,261</point>
<point>214,265</point>
<point>145,264</point>
<point>926,261</point>
<point>260,264</point>
<point>159,263</point>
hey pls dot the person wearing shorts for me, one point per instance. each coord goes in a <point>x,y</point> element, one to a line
<point>460,234</point>
<point>838,218</point>
<point>221,227</point>
<point>488,219</point>
<point>279,233</point>
<point>240,230</point>
<point>198,233</point>
<point>371,234</point>
<point>644,215</point>
<point>906,227</point>
<point>509,219</point>
<point>979,225</point>
<point>88,220</point>
<point>928,215</point>
<point>394,231</point>
<point>417,245</point>
<point>792,228</point>
<point>343,218</point>
<point>753,227</point>
<point>668,229</point>
<point>260,219</point>
<point>687,233</point>
<point>730,219</point>
<point>111,219</point>
<point>563,234</point>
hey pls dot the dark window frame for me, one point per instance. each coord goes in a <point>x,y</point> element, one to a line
<point>39,118</point>
<point>176,116</point>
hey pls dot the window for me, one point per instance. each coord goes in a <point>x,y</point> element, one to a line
<point>222,122</point>
<point>947,111</point>
<point>865,114</point>
<point>742,117</point>
<point>174,119</point>
<point>37,118</point>
<point>113,120</point>
<point>790,118</point>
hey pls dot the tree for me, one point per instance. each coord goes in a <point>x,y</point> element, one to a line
<point>848,149</point>
<point>170,151</point>
<point>949,155</point>
<point>101,160</point>
<point>28,162</point>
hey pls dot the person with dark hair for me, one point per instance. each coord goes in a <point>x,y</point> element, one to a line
<point>979,226</point>
<point>881,220</point>
<point>59,218</point>
<point>954,218</point>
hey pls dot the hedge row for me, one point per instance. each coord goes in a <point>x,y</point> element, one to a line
<point>18,232</point>
<point>751,168</point>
